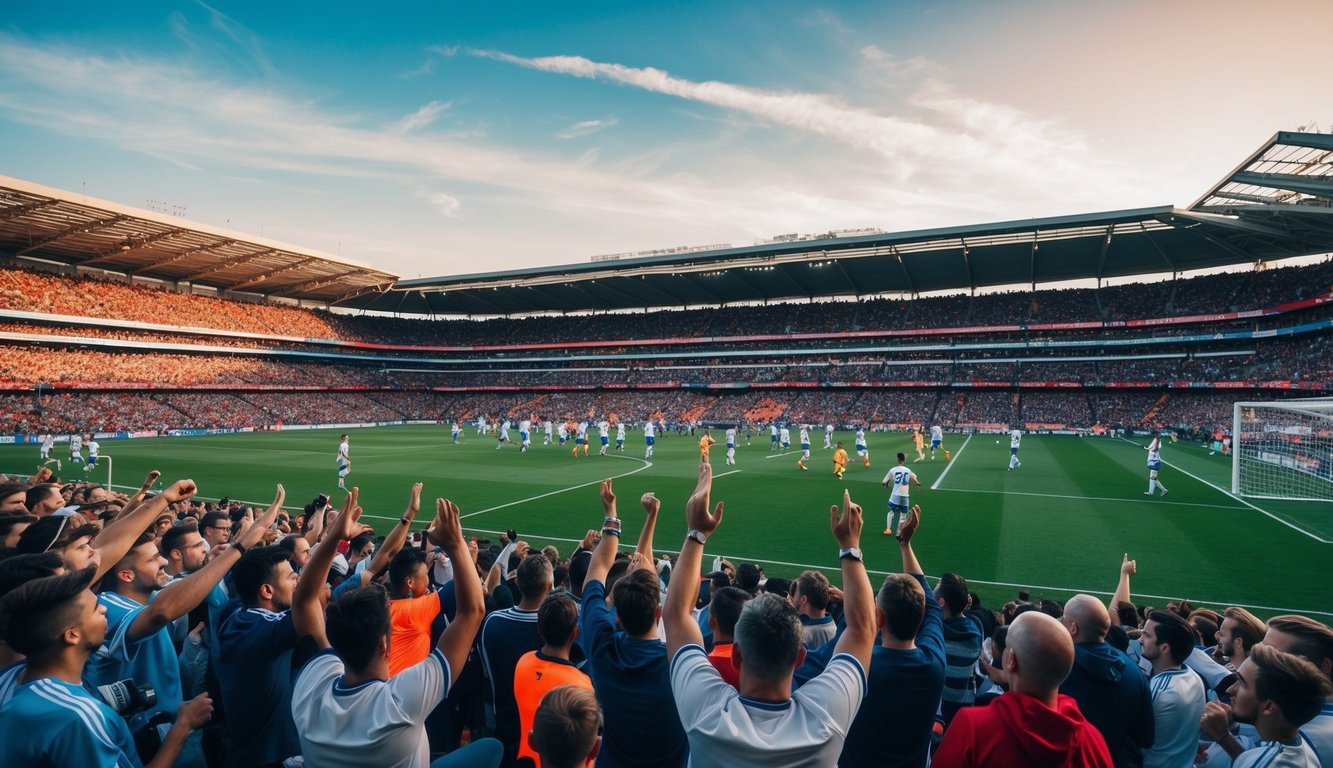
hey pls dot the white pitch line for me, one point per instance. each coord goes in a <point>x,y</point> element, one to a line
<point>779,455</point>
<point>1225,492</point>
<point>935,485</point>
<point>1089,498</point>
<point>646,464</point>
<point>724,474</point>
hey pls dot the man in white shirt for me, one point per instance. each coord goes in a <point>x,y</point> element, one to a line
<point>763,722</point>
<point>1277,693</point>
<point>347,709</point>
<point>344,461</point>
<point>1154,450</point>
<point>649,438</point>
<point>900,479</point>
<point>1178,693</point>
<point>1015,440</point>
<point>94,452</point>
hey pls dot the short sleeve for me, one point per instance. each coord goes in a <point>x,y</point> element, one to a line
<point>312,686</point>
<point>697,686</point>
<point>92,743</point>
<point>422,686</point>
<point>838,690</point>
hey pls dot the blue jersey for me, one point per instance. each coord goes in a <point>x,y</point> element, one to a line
<point>150,661</point>
<point>50,722</point>
<point>253,660</point>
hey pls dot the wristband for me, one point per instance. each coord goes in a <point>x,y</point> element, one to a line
<point>404,521</point>
<point>694,534</point>
<point>611,532</point>
<point>239,547</point>
<point>610,520</point>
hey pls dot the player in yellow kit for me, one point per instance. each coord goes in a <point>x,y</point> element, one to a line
<point>839,461</point>
<point>705,443</point>
<point>919,440</point>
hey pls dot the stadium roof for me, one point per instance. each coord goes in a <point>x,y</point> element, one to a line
<point>1275,205</point>
<point>53,225</point>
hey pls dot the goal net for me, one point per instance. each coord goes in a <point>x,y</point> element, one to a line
<point>1283,450</point>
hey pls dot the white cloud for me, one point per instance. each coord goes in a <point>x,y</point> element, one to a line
<point>422,117</point>
<point>586,127</point>
<point>445,204</point>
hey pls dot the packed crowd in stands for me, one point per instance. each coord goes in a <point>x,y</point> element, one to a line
<point>280,633</point>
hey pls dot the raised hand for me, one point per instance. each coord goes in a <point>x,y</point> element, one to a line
<point>346,524</point>
<point>846,521</point>
<point>196,712</point>
<point>909,526</point>
<point>608,499</point>
<point>413,502</point>
<point>446,530</point>
<point>651,504</point>
<point>697,516</point>
<point>180,491</point>
<point>1128,567</point>
<point>149,481</point>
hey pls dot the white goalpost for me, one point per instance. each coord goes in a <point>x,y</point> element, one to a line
<point>1283,449</point>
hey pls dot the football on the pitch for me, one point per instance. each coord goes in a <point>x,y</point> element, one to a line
<point>997,442</point>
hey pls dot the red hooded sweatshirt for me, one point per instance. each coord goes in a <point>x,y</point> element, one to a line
<point>1018,730</point>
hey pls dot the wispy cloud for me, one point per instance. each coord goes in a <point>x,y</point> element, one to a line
<point>422,117</point>
<point>586,127</point>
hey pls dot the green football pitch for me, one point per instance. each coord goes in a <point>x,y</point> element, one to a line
<point>1057,525</point>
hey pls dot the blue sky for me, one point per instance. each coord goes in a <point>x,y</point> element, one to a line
<point>443,138</point>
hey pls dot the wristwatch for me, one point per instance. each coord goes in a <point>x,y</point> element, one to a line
<point>697,535</point>
<point>851,552</point>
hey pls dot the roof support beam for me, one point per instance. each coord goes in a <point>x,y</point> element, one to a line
<point>1106,248</point>
<point>1260,199</point>
<point>131,245</point>
<point>1246,225</point>
<point>907,275</point>
<point>1307,140</point>
<point>76,229</point>
<point>181,256</point>
<point>1308,185</point>
<point>226,265</point>
<point>322,282</point>
<point>1160,250</point>
<point>967,265</point>
<point>264,276</point>
<point>15,211</point>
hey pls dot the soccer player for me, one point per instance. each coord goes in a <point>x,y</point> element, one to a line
<point>900,479</point>
<point>649,438</point>
<point>784,436</point>
<point>805,448</point>
<point>936,440</point>
<point>1015,438</point>
<point>828,437</point>
<point>773,437</point>
<point>481,424</point>
<point>581,438</point>
<point>48,442</point>
<point>839,460</point>
<point>563,433</point>
<point>524,435</point>
<point>604,435</point>
<point>620,436</point>
<point>76,449</point>
<point>731,446</point>
<point>94,452</point>
<point>456,431</point>
<point>705,443</point>
<point>1154,450</point>
<point>550,429</point>
<point>344,462</point>
<point>503,436</point>
<point>862,452</point>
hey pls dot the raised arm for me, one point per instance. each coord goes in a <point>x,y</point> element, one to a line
<point>605,553</point>
<point>446,532</point>
<point>139,495</point>
<point>316,527</point>
<point>307,613</point>
<point>394,541</point>
<point>858,601</point>
<point>1127,568</point>
<point>651,505</point>
<point>905,531</point>
<point>117,538</point>
<point>182,595</point>
<point>683,591</point>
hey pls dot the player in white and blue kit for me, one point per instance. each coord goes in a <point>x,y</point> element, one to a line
<point>936,440</point>
<point>604,435</point>
<point>76,449</point>
<point>344,461</point>
<point>649,438</point>
<point>48,443</point>
<point>620,436</point>
<point>862,451</point>
<point>784,437</point>
<point>1015,438</point>
<point>773,444</point>
<point>731,445</point>
<point>899,480</point>
<point>805,448</point>
<point>524,435</point>
<point>581,438</point>
<point>828,437</point>
<point>456,431</point>
<point>563,433</point>
<point>94,451</point>
<point>1154,450</point>
<point>503,436</point>
<point>550,428</point>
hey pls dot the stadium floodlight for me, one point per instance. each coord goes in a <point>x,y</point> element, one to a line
<point>1283,449</point>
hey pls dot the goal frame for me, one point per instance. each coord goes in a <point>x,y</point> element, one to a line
<point>1320,407</point>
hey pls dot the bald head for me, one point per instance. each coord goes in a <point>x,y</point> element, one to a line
<point>1087,619</point>
<point>1042,654</point>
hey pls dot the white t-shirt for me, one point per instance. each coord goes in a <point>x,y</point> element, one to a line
<point>379,722</point>
<point>649,430</point>
<point>620,431</point>
<point>343,453</point>
<point>93,448</point>
<point>900,481</point>
<point>1015,438</point>
<point>1274,754</point>
<point>1177,704</point>
<point>785,435</point>
<point>937,433</point>
<point>731,437</point>
<point>727,730</point>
